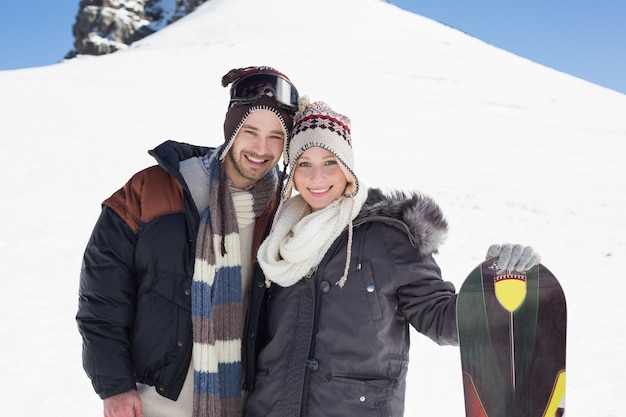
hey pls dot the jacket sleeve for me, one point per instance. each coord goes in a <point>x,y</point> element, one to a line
<point>424,298</point>
<point>106,306</point>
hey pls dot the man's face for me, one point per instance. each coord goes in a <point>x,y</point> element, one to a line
<point>257,148</point>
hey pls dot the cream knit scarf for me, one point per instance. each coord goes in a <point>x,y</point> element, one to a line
<point>300,238</point>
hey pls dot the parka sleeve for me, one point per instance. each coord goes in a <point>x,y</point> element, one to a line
<point>424,298</point>
<point>106,306</point>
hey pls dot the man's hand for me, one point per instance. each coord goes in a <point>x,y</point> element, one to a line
<point>126,404</point>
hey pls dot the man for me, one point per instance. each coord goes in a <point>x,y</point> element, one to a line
<point>165,278</point>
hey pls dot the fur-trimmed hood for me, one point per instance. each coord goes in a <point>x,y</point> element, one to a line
<point>421,215</point>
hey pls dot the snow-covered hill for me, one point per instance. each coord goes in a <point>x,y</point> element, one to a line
<point>512,151</point>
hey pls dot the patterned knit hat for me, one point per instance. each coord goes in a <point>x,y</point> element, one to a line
<point>239,111</point>
<point>316,124</point>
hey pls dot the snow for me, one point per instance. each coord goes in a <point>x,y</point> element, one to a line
<point>511,150</point>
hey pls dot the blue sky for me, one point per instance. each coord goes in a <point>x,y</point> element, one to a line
<point>583,38</point>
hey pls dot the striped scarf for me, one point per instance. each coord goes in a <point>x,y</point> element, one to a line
<point>216,294</point>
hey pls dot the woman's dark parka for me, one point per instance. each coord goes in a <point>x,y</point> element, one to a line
<point>335,351</point>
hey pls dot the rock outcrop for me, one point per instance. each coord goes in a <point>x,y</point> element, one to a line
<point>105,26</point>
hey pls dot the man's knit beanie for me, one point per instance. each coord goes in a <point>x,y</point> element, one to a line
<point>238,113</point>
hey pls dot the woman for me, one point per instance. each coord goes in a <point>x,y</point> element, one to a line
<point>348,271</point>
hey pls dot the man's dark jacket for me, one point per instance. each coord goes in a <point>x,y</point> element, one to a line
<point>134,310</point>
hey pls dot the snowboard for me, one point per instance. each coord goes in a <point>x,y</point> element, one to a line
<point>512,334</point>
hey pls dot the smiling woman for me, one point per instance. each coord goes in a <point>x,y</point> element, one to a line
<point>321,166</point>
<point>319,178</point>
<point>347,270</point>
<point>353,268</point>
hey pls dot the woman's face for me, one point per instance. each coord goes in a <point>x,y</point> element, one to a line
<point>318,177</point>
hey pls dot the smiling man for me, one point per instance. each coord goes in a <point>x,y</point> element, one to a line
<point>166,274</point>
<point>256,149</point>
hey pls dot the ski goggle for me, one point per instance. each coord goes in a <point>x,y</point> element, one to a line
<point>250,87</point>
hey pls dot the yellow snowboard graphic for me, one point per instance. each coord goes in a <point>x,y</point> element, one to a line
<point>512,334</point>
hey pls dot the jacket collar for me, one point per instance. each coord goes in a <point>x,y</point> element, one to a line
<point>416,214</point>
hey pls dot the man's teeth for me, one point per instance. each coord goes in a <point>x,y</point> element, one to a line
<point>258,161</point>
